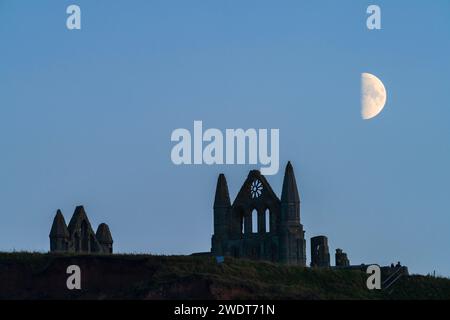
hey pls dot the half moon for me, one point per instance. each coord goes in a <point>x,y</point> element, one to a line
<point>373,96</point>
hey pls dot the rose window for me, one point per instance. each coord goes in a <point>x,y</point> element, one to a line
<point>256,189</point>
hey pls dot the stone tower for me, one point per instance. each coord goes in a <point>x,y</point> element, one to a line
<point>79,236</point>
<point>292,236</point>
<point>104,237</point>
<point>341,259</point>
<point>258,225</point>
<point>320,253</point>
<point>59,235</point>
<point>222,214</point>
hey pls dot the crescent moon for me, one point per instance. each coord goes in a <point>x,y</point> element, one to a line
<point>373,96</point>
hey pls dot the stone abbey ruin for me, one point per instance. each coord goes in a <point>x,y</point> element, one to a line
<point>79,237</point>
<point>257,225</point>
<point>260,226</point>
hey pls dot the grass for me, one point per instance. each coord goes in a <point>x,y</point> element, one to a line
<point>245,279</point>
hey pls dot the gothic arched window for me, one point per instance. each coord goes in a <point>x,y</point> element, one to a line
<point>254,221</point>
<point>267,218</point>
<point>84,237</point>
<point>77,242</point>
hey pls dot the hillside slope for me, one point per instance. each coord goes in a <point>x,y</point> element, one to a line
<point>43,276</point>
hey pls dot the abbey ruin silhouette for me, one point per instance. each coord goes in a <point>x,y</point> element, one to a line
<point>79,237</point>
<point>260,226</point>
<point>257,225</point>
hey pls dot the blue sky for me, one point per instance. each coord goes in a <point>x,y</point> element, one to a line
<point>86,118</point>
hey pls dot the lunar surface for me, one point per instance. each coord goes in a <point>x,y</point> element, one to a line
<point>373,96</point>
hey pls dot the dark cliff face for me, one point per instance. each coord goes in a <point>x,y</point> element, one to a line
<point>44,276</point>
<point>101,277</point>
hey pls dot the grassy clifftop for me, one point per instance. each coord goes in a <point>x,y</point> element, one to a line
<point>43,276</point>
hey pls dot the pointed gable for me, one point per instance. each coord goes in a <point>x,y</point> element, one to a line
<point>256,190</point>
<point>290,191</point>
<point>78,217</point>
<point>59,227</point>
